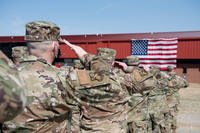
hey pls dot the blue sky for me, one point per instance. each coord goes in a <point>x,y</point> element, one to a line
<point>101,16</point>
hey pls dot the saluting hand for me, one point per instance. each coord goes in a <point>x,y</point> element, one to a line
<point>122,64</point>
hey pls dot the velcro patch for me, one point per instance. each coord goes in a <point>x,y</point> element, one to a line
<point>83,77</point>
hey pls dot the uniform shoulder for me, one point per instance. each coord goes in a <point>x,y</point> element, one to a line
<point>11,90</point>
<point>33,62</point>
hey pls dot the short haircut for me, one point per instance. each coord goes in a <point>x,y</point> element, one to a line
<point>39,45</point>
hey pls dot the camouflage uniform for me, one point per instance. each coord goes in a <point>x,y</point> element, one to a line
<point>174,84</point>
<point>12,97</point>
<point>158,108</point>
<point>99,95</point>
<point>47,110</point>
<point>18,53</point>
<point>139,83</point>
<point>105,54</point>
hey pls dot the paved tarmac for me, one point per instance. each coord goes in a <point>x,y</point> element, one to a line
<point>189,116</point>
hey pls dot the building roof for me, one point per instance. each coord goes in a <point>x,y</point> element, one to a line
<point>185,35</point>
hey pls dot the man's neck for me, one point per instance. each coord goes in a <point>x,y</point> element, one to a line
<point>46,57</point>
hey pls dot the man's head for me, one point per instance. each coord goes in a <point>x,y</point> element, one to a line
<point>78,64</point>
<point>39,31</point>
<point>107,54</point>
<point>170,68</point>
<point>19,52</point>
<point>100,67</point>
<point>154,70</point>
<point>42,37</point>
<point>132,60</point>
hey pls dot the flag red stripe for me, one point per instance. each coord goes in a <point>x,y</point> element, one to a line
<point>163,69</point>
<point>157,58</point>
<point>162,49</point>
<point>157,63</point>
<point>162,54</point>
<point>174,44</point>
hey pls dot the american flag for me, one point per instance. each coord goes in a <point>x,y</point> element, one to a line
<point>159,52</point>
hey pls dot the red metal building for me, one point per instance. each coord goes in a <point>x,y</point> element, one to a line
<point>188,47</point>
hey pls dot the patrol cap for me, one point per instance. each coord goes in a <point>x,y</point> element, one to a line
<point>42,31</point>
<point>170,68</point>
<point>100,66</point>
<point>153,69</point>
<point>19,51</point>
<point>132,60</point>
<point>107,54</point>
<point>78,64</point>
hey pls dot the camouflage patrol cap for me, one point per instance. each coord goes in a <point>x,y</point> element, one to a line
<point>42,31</point>
<point>107,54</point>
<point>132,60</point>
<point>19,51</point>
<point>100,66</point>
<point>154,69</point>
<point>170,68</point>
<point>12,97</point>
<point>78,64</point>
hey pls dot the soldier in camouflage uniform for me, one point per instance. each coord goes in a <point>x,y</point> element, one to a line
<point>158,108</point>
<point>174,84</point>
<point>102,101</point>
<point>12,97</point>
<point>47,110</point>
<point>18,53</point>
<point>139,83</point>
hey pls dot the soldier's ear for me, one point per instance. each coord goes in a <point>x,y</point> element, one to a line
<point>55,48</point>
<point>55,44</point>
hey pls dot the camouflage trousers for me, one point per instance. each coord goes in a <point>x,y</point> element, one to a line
<point>102,121</point>
<point>138,116</point>
<point>157,109</point>
<point>138,121</point>
<point>75,121</point>
<point>103,126</point>
<point>173,103</point>
<point>171,117</point>
<point>29,122</point>
<point>37,127</point>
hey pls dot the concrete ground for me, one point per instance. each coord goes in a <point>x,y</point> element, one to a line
<point>189,116</point>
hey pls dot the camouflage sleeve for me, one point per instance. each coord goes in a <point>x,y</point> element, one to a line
<point>12,98</point>
<point>67,90</point>
<point>131,85</point>
<point>86,59</point>
<point>182,82</point>
<point>129,69</point>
